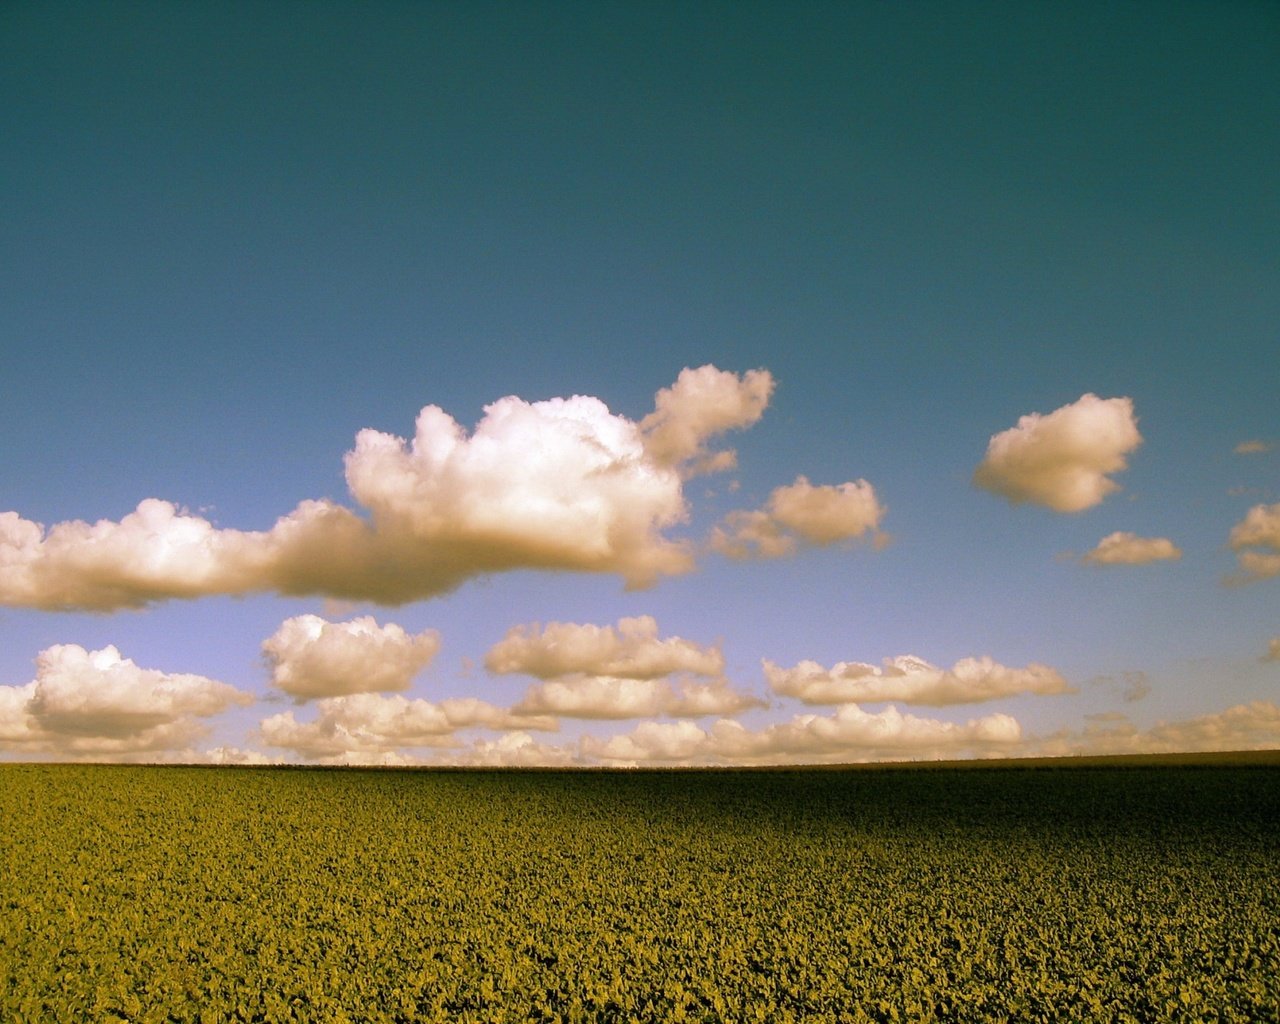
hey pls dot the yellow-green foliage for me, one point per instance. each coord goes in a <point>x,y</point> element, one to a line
<point>203,894</point>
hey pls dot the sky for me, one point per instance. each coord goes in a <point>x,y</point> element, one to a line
<point>624,384</point>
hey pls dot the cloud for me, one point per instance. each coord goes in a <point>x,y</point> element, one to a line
<point>631,650</point>
<point>608,672</point>
<point>604,697</point>
<point>1273,650</point>
<point>98,704</point>
<point>849,734</point>
<point>562,484</point>
<point>1252,448</point>
<point>800,513</point>
<point>310,657</point>
<point>1256,542</point>
<point>370,724</point>
<point>911,680</point>
<point>1253,726</point>
<point>1062,460</point>
<point>1122,548</point>
<point>701,404</point>
<point>515,750</point>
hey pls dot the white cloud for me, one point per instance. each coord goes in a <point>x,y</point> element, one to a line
<point>911,680</point>
<point>98,704</point>
<point>1252,448</point>
<point>310,657</point>
<point>517,750</point>
<point>1122,548</point>
<point>1062,460</point>
<point>701,404</point>
<point>631,650</point>
<point>1273,650</point>
<point>562,484</point>
<point>1256,542</point>
<point>369,724</point>
<point>604,697</point>
<point>800,512</point>
<point>849,734</point>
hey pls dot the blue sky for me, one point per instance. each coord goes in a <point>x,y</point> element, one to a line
<point>237,235</point>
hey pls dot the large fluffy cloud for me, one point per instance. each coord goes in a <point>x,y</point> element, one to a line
<point>99,704</point>
<point>1122,548</point>
<point>631,650</point>
<point>310,657</point>
<point>1062,460</point>
<point>849,734</point>
<point>800,512</point>
<point>1256,541</point>
<point>562,484</point>
<point>911,680</point>
<point>371,724</point>
<point>1252,726</point>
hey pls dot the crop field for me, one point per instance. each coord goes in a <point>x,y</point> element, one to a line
<point>1102,893</point>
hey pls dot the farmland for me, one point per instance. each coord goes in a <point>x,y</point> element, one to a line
<point>1139,892</point>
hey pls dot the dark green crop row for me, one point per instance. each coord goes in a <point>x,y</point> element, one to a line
<point>203,894</point>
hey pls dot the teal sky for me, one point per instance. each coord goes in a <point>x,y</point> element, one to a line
<point>236,235</point>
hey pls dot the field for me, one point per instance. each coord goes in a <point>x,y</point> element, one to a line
<point>1111,891</point>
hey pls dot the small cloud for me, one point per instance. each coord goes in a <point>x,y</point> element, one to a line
<point>632,650</point>
<point>1062,460</point>
<point>699,405</point>
<point>911,680</point>
<point>1121,548</point>
<point>801,513</point>
<point>310,657</point>
<point>1256,542</point>
<point>1252,448</point>
<point>1273,650</point>
<point>602,697</point>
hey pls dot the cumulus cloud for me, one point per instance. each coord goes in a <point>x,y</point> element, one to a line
<point>1273,650</point>
<point>370,724</point>
<point>310,657</point>
<point>1062,460</point>
<point>911,680</point>
<point>1121,548</point>
<point>701,404</point>
<point>562,484</point>
<point>515,750</point>
<point>1252,726</point>
<point>1256,542</point>
<point>800,513</point>
<point>1252,448</point>
<point>605,697</point>
<point>849,734</point>
<point>631,650</point>
<point>613,672</point>
<point>98,704</point>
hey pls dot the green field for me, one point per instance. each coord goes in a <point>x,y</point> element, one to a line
<point>1137,892</point>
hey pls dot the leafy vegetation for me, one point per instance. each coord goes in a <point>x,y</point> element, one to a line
<point>220,894</point>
